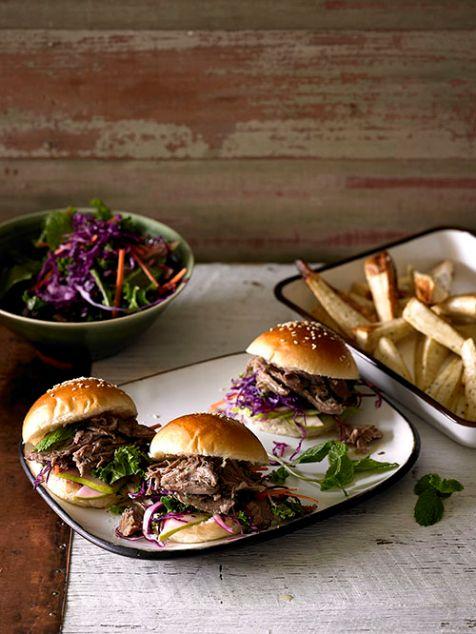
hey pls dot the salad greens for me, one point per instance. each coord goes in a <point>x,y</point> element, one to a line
<point>55,438</point>
<point>128,460</point>
<point>90,266</point>
<point>342,469</point>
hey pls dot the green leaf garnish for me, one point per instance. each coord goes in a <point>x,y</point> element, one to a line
<point>56,226</point>
<point>102,210</point>
<point>429,508</point>
<point>370,465</point>
<point>279,475</point>
<point>172,504</point>
<point>431,490</point>
<point>56,438</point>
<point>18,273</point>
<point>128,460</point>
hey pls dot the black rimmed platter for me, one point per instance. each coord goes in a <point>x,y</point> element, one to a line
<point>422,251</point>
<point>193,388</point>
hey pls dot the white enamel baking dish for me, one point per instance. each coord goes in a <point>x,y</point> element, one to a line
<point>423,251</point>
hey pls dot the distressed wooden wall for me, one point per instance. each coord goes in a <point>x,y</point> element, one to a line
<point>259,129</point>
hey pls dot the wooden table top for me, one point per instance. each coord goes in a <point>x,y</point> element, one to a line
<point>369,569</point>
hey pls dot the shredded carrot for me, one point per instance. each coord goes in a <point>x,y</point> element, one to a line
<point>145,269</point>
<point>215,406</point>
<point>121,255</point>
<point>40,283</point>
<point>288,492</point>
<point>175,279</point>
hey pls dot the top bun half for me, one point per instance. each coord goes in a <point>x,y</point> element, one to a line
<point>308,347</point>
<point>207,435</point>
<point>74,401</point>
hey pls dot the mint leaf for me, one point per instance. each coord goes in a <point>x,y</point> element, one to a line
<point>18,273</point>
<point>433,481</point>
<point>55,438</point>
<point>102,210</point>
<point>429,508</point>
<point>370,465</point>
<point>340,472</point>
<point>128,460</point>
<point>172,504</point>
<point>279,475</point>
<point>287,510</point>
<point>116,509</point>
<point>243,519</point>
<point>316,453</point>
<point>56,226</point>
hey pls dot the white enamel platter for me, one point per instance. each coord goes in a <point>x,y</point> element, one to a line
<point>423,251</point>
<point>193,388</point>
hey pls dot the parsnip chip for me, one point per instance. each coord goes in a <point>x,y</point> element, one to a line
<point>361,288</point>
<point>320,314</point>
<point>458,306</point>
<point>367,336</point>
<point>388,353</point>
<point>382,279</point>
<point>418,359</point>
<point>434,287</point>
<point>468,354</point>
<point>446,382</point>
<point>459,405</point>
<point>433,356</point>
<point>424,320</point>
<point>345,315</point>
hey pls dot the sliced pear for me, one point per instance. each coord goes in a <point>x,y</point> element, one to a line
<point>167,533</point>
<point>92,483</point>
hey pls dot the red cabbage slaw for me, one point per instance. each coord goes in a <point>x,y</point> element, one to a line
<point>79,279</point>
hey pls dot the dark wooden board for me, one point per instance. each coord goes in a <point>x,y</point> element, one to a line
<point>34,543</point>
<point>238,14</point>
<point>259,210</point>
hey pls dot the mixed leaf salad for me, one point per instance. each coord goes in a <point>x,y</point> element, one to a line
<point>88,267</point>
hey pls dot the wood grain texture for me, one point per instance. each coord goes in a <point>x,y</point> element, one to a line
<point>245,14</point>
<point>371,569</point>
<point>258,209</point>
<point>34,542</point>
<point>270,94</point>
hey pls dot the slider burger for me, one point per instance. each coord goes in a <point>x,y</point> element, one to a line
<point>299,383</point>
<point>205,483</point>
<point>82,441</point>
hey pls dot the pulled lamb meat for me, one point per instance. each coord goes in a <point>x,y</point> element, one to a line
<point>359,437</point>
<point>94,443</point>
<point>208,484</point>
<point>328,396</point>
<point>131,521</point>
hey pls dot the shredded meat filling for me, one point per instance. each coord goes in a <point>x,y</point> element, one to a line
<point>328,396</point>
<point>94,444</point>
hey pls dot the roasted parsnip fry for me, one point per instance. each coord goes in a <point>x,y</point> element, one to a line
<point>405,282</point>
<point>458,306</point>
<point>459,405</point>
<point>345,315</point>
<point>361,288</point>
<point>468,331</point>
<point>434,287</point>
<point>382,280</point>
<point>367,336</point>
<point>468,354</point>
<point>321,314</point>
<point>388,353</point>
<point>362,305</point>
<point>418,359</point>
<point>424,320</point>
<point>446,382</point>
<point>433,356</point>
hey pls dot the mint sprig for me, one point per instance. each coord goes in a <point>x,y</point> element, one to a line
<point>431,490</point>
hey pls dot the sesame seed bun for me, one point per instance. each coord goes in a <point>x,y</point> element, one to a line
<point>67,490</point>
<point>73,401</point>
<point>207,435</point>
<point>306,347</point>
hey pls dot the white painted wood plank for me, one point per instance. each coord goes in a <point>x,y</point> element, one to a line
<point>370,569</point>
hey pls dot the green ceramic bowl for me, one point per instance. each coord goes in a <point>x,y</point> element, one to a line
<point>98,339</point>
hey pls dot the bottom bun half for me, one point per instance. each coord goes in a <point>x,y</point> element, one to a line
<point>205,531</point>
<point>67,490</point>
<point>309,426</point>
